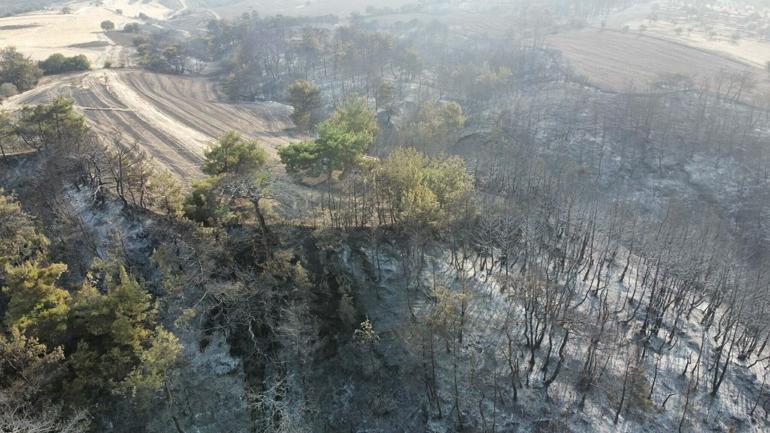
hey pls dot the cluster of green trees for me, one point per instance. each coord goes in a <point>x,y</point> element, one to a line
<point>59,64</point>
<point>236,169</point>
<point>342,141</point>
<point>407,187</point>
<point>72,153</point>
<point>19,73</point>
<point>161,52</point>
<point>17,70</point>
<point>305,98</point>
<point>76,345</point>
<point>50,127</point>
<point>86,330</point>
<point>432,127</point>
<point>417,188</point>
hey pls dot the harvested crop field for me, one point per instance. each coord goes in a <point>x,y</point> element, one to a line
<point>173,118</point>
<point>78,31</point>
<point>616,60</point>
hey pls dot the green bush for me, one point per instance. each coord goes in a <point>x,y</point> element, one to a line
<point>60,64</point>
<point>7,90</point>
<point>18,70</point>
<point>108,25</point>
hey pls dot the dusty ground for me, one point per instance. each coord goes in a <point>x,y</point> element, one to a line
<point>738,30</point>
<point>173,118</point>
<point>616,60</point>
<point>40,34</point>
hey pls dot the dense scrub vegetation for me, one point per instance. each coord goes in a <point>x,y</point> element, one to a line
<point>59,64</point>
<point>94,336</point>
<point>19,73</point>
<point>17,70</point>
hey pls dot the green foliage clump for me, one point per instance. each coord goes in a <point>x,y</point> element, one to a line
<point>305,97</point>
<point>342,141</point>
<point>205,205</point>
<point>107,25</point>
<point>355,117</point>
<point>235,166</point>
<point>233,154</point>
<point>166,194</point>
<point>118,346</point>
<point>54,124</point>
<point>19,241</point>
<point>7,90</point>
<point>37,306</point>
<point>18,70</point>
<point>27,372</point>
<point>433,127</point>
<point>424,190</point>
<point>25,357</point>
<point>107,337</point>
<point>60,64</point>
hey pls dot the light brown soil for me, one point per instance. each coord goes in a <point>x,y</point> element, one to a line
<point>617,60</point>
<point>42,33</point>
<point>174,118</point>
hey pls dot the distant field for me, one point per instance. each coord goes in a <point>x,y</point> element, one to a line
<point>739,29</point>
<point>12,7</point>
<point>39,34</point>
<point>615,60</point>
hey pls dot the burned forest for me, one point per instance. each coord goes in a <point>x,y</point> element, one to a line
<point>226,216</point>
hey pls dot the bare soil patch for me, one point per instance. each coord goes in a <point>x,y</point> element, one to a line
<point>173,118</point>
<point>737,29</point>
<point>621,61</point>
<point>42,33</point>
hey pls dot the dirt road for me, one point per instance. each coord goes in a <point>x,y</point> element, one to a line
<point>174,118</point>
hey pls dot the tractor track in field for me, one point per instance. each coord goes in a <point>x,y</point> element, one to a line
<point>172,118</point>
